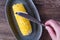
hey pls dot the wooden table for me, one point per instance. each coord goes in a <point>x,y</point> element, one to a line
<point>48,9</point>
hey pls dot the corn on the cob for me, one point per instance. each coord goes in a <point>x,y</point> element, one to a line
<point>23,23</point>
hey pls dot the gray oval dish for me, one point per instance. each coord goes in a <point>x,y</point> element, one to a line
<point>31,9</point>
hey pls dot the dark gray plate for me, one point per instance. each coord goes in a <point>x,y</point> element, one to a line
<point>31,9</point>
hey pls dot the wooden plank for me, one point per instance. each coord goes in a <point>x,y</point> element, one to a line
<point>5,30</point>
<point>48,9</point>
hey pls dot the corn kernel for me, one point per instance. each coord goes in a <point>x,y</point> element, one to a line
<point>23,23</point>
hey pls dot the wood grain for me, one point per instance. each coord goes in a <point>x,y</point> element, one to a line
<point>5,30</point>
<point>48,9</point>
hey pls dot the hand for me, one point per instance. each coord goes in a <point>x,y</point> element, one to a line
<point>53,28</point>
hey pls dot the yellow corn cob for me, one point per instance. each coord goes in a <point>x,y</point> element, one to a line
<point>23,23</point>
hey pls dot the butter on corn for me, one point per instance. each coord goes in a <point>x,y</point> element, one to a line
<point>23,23</point>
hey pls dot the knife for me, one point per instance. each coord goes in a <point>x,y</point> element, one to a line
<point>29,17</point>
